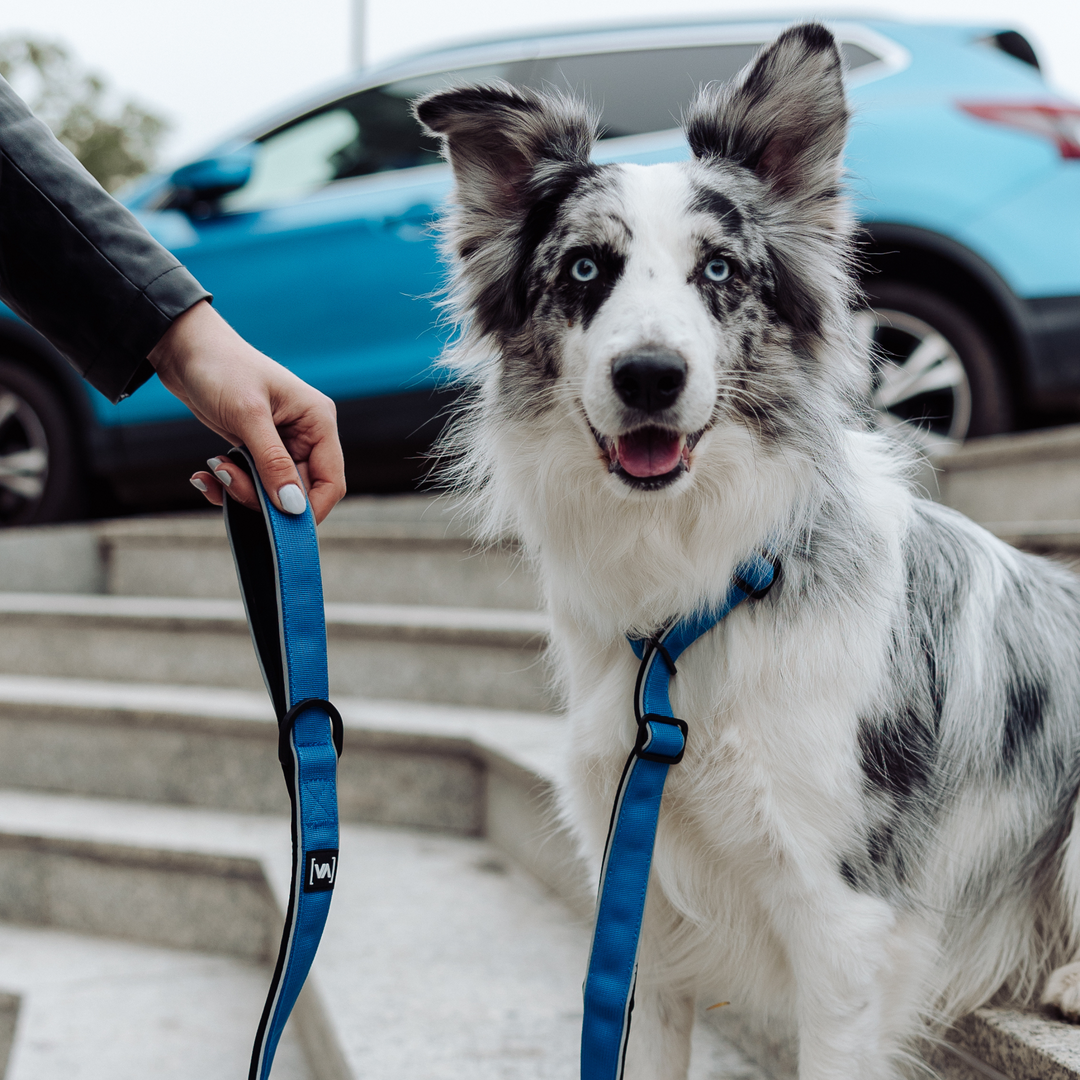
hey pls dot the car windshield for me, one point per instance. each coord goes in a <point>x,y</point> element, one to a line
<point>373,131</point>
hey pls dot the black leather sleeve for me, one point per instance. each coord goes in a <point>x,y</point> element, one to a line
<point>77,265</point>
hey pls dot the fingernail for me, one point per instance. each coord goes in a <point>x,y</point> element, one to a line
<point>198,484</point>
<point>213,462</point>
<point>224,477</point>
<point>292,499</point>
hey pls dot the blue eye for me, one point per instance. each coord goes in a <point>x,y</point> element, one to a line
<point>718,270</point>
<point>585,270</point>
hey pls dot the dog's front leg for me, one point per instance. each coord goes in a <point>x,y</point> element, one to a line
<point>843,965</point>
<point>659,1046</point>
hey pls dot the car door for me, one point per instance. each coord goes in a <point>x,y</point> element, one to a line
<point>324,258</point>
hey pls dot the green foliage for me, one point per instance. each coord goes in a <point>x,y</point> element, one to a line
<point>114,145</point>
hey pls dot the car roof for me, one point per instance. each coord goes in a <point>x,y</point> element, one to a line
<point>879,35</point>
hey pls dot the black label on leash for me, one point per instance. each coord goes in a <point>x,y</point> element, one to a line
<point>320,870</point>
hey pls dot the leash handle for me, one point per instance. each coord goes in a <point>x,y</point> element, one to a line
<point>624,876</point>
<point>277,565</point>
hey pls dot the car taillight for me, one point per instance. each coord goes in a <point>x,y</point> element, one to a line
<point>1058,123</point>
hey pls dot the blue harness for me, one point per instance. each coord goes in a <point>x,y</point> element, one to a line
<point>277,563</point>
<point>624,877</point>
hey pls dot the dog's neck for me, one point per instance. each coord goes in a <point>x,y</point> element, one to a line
<point>612,563</point>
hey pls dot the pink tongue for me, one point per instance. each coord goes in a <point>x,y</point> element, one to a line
<point>649,451</point>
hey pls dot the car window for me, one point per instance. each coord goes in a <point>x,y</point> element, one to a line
<point>373,131</point>
<point>297,160</point>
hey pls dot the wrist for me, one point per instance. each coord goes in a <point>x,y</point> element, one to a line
<point>180,342</point>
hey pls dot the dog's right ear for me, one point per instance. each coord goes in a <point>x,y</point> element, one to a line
<point>497,138</point>
<point>784,117</point>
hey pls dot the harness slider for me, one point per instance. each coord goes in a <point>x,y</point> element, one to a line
<point>645,736</point>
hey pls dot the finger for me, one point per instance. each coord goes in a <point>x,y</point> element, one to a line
<point>325,471</point>
<point>212,490</point>
<point>237,484</point>
<point>275,467</point>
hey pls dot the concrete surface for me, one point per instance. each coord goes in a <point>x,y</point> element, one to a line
<point>465,656</point>
<point>397,549</point>
<point>404,763</point>
<point>440,958</point>
<point>93,1009</point>
<point>1031,476</point>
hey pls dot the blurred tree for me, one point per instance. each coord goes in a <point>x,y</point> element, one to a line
<point>73,102</point>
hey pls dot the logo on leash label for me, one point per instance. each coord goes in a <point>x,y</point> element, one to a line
<point>320,870</point>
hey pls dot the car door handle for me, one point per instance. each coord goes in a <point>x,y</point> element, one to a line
<point>420,214</point>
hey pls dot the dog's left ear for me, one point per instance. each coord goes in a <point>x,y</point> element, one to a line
<point>497,137</point>
<point>785,117</point>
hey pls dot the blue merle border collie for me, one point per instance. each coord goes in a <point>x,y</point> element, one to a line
<point>872,829</point>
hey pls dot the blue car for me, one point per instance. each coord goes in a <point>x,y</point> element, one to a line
<point>313,230</point>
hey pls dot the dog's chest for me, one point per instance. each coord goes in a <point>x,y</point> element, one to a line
<point>772,751</point>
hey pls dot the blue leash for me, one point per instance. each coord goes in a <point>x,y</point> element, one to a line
<point>624,878</point>
<point>277,563</point>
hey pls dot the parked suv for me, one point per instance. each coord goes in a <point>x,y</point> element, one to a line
<point>313,230</point>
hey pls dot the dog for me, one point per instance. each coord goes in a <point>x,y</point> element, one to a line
<point>872,831</point>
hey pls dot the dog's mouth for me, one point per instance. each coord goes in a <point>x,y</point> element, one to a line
<point>647,458</point>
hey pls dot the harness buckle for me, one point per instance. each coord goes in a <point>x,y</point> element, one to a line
<point>644,737</point>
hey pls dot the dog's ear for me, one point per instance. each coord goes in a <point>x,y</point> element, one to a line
<point>784,117</point>
<point>496,138</point>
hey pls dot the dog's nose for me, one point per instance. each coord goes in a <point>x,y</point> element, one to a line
<point>649,379</point>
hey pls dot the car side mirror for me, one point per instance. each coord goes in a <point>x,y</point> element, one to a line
<point>202,182</point>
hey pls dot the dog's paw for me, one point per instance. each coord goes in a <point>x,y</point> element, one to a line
<point>1063,991</point>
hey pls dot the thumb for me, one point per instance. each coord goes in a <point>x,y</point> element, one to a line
<point>276,468</point>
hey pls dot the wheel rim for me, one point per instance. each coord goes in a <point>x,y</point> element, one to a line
<point>24,458</point>
<point>919,379</point>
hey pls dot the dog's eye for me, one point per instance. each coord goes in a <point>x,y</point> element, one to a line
<point>718,270</point>
<point>585,270</point>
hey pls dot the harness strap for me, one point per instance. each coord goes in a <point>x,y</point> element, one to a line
<point>624,877</point>
<point>277,563</point>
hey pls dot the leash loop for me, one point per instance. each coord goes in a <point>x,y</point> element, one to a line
<point>285,726</point>
<point>624,876</point>
<point>277,565</point>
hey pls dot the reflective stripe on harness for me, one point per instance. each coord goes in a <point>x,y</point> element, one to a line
<point>624,877</point>
<point>277,563</point>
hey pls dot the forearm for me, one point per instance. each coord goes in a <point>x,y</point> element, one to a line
<point>77,265</point>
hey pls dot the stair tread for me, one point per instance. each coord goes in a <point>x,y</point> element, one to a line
<point>99,1008</point>
<point>528,740</point>
<point>221,610</point>
<point>440,958</point>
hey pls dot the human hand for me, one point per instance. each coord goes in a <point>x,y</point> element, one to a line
<point>289,427</point>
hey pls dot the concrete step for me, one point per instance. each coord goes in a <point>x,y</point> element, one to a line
<point>114,1010</point>
<point>465,656</point>
<point>405,763</point>
<point>404,550</point>
<point>1028,477</point>
<point>1058,539</point>
<point>429,933</point>
<point>440,959</point>
<point>370,562</point>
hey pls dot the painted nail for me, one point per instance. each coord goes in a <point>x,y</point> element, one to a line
<point>198,484</point>
<point>224,477</point>
<point>292,499</point>
<point>214,462</point>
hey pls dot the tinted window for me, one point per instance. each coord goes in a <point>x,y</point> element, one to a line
<point>637,91</point>
<point>373,131</point>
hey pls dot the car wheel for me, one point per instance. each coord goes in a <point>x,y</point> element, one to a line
<point>935,370</point>
<point>40,477</point>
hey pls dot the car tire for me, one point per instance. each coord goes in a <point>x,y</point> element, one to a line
<point>958,388</point>
<point>40,475</point>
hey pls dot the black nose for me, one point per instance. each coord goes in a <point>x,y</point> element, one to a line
<point>649,379</point>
